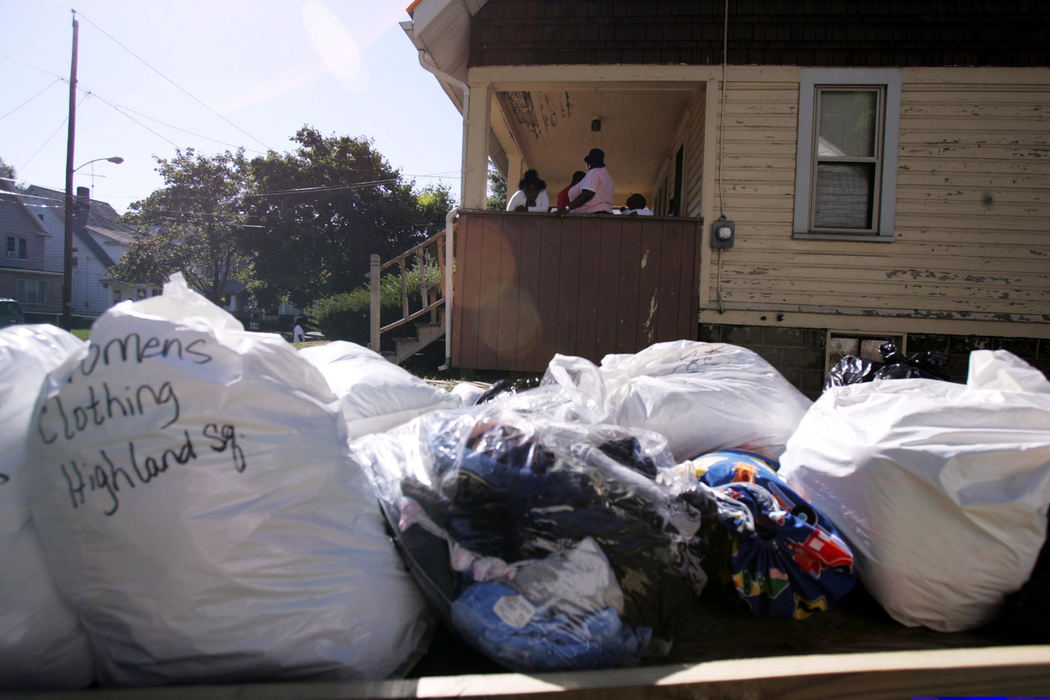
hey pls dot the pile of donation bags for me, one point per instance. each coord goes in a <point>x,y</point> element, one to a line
<point>553,539</point>
<point>197,503</point>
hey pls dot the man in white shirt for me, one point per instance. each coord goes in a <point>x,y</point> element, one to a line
<point>594,193</point>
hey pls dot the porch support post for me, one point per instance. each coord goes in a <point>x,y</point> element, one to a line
<point>374,306</point>
<point>476,146</point>
<point>515,167</point>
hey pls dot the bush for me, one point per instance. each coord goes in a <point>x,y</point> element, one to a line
<point>345,316</point>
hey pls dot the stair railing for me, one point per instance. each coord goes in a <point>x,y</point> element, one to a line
<point>429,266</point>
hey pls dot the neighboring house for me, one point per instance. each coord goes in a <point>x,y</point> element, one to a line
<point>99,241</point>
<point>886,165</point>
<point>24,272</point>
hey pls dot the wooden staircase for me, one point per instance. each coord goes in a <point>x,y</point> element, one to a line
<point>425,308</point>
<point>427,332</point>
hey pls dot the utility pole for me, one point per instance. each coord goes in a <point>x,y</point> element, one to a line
<point>67,258</point>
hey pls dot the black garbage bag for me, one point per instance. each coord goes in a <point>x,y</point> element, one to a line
<point>507,386</point>
<point>852,369</point>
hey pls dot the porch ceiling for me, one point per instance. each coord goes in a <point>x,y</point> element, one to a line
<point>552,130</point>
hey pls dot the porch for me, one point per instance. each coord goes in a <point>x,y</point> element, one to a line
<point>527,286</point>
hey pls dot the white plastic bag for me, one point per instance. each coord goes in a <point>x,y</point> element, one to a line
<point>41,643</point>
<point>374,394</point>
<point>197,504</point>
<point>702,397</point>
<point>941,489</point>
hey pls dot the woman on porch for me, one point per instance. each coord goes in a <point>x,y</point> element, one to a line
<point>594,193</point>
<point>531,195</point>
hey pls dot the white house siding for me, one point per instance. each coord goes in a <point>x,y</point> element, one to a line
<point>973,185</point>
<point>54,249</point>
<point>90,297</point>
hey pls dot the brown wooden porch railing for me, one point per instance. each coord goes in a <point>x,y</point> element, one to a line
<point>528,286</point>
<point>425,261</point>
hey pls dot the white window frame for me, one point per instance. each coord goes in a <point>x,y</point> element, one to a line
<point>889,79</point>
<point>15,246</point>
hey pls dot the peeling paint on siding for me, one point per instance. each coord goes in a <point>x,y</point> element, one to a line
<point>649,326</point>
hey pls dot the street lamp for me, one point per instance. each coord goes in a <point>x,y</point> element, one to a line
<point>67,263</point>
<point>112,159</point>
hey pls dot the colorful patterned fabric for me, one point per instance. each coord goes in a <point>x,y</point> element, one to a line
<point>788,560</point>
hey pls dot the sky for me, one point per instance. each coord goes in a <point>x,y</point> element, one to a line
<point>214,75</point>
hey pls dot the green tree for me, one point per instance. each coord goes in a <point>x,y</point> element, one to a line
<point>497,199</point>
<point>195,224</point>
<point>324,209</point>
<point>7,176</point>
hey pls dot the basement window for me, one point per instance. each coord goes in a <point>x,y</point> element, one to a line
<point>866,345</point>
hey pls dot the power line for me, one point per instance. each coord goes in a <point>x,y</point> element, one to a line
<point>120,108</point>
<point>185,131</point>
<point>179,87</point>
<point>53,133</point>
<point>324,188</point>
<point>38,94</point>
<point>175,214</point>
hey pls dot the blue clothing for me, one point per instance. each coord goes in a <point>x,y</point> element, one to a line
<point>551,639</point>
<point>787,558</point>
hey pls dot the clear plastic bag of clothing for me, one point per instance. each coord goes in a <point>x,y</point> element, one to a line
<point>547,545</point>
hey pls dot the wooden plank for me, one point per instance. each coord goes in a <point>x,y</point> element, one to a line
<point>955,110</point>
<point>530,260</point>
<point>648,299</point>
<point>976,208</point>
<point>587,304</point>
<point>549,283</point>
<point>509,299</point>
<point>609,282</point>
<point>568,286</point>
<point>490,293</point>
<point>467,287</point>
<point>983,165</point>
<point>672,237</point>
<point>970,151</point>
<point>927,304</point>
<point>980,180</point>
<point>626,301</point>
<point>981,671</point>
<point>907,268</point>
<point>962,291</point>
<point>690,280</point>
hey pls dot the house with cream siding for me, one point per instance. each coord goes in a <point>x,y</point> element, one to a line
<point>885,166</point>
